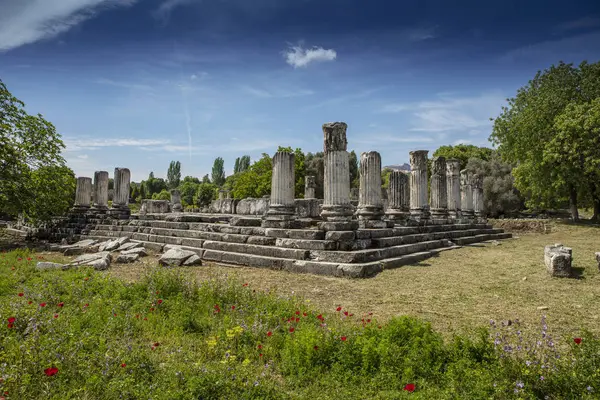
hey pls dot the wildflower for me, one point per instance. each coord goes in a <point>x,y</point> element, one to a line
<point>590,389</point>
<point>346,313</point>
<point>28,258</point>
<point>260,355</point>
<point>304,314</point>
<point>157,292</point>
<point>577,340</point>
<point>20,294</point>
<point>11,320</point>
<point>519,384</point>
<point>123,365</point>
<point>86,278</point>
<point>409,387</point>
<point>151,309</point>
<point>368,321</point>
<point>297,319</point>
<point>297,312</point>
<point>10,325</point>
<point>292,329</point>
<point>245,284</point>
<point>338,309</point>
<point>320,317</point>
<point>541,377</point>
<point>137,316</point>
<point>51,371</point>
<point>528,363</point>
<point>159,301</point>
<point>343,338</point>
<point>55,316</point>
<point>156,344</point>
<point>86,305</point>
<point>42,304</point>
<point>145,319</point>
<point>115,314</point>
<point>61,304</point>
<point>233,307</point>
<point>316,348</point>
<point>30,302</point>
<point>269,333</point>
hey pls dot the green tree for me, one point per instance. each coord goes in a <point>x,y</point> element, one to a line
<point>205,194</point>
<point>244,163</point>
<point>256,181</point>
<point>174,175</point>
<point>354,173</point>
<point>463,152</point>
<point>385,177</point>
<point>218,172</point>
<point>236,167</point>
<point>206,179</point>
<point>34,178</point>
<point>189,190</point>
<point>528,133</point>
<point>163,195</point>
<point>153,186</point>
<point>315,166</point>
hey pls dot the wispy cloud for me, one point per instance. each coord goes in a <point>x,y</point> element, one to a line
<point>447,114</point>
<point>581,23</point>
<point>572,48</point>
<point>27,21</point>
<point>298,57</point>
<point>124,85</point>
<point>344,98</point>
<point>420,34</point>
<point>82,143</point>
<point>387,138</point>
<point>276,92</point>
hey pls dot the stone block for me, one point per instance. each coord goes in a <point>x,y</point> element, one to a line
<point>276,233</point>
<point>251,206</point>
<point>140,251</point>
<point>175,257</point>
<point>50,265</point>
<point>244,221</point>
<point>340,235</point>
<point>308,208</point>
<point>262,240</point>
<point>306,244</point>
<point>375,224</point>
<point>558,260</point>
<point>310,234</point>
<point>127,258</point>
<point>130,245</point>
<point>338,226</point>
<point>193,260</point>
<point>155,206</point>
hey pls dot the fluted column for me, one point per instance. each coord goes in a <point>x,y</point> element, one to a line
<point>419,208</point>
<point>398,196</point>
<point>439,195</point>
<point>176,201</point>
<point>477,187</point>
<point>120,204</point>
<point>370,203</point>
<point>83,193</point>
<point>310,186</point>
<point>281,209</point>
<point>466,195</point>
<point>453,187</point>
<point>336,202</point>
<point>100,190</point>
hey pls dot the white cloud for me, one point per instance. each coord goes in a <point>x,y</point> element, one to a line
<point>420,34</point>
<point>297,56</point>
<point>83,156</point>
<point>124,85</point>
<point>276,92</point>
<point>27,21</point>
<point>77,144</point>
<point>390,138</point>
<point>462,141</point>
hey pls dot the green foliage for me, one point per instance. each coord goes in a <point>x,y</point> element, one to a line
<point>354,173</point>
<point>174,175</point>
<point>168,336</point>
<point>205,194</point>
<point>256,181</point>
<point>189,190</point>
<point>532,133</point>
<point>162,195</point>
<point>241,164</point>
<point>463,152</point>
<point>152,186</point>
<point>34,178</point>
<point>385,177</point>
<point>315,166</point>
<point>206,179</point>
<point>218,172</point>
<point>499,194</point>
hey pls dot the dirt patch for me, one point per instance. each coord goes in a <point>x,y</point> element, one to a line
<point>523,225</point>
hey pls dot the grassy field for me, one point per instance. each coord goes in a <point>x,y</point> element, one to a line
<point>456,291</point>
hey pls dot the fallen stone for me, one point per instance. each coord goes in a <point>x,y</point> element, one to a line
<point>85,259</point>
<point>100,265</point>
<point>127,258</point>
<point>175,257</point>
<point>558,260</point>
<point>72,250</point>
<point>44,265</point>
<point>543,308</point>
<point>130,245</point>
<point>524,278</point>
<point>193,260</point>
<point>495,243</point>
<point>86,243</point>
<point>115,244</point>
<point>140,251</point>
<point>598,260</point>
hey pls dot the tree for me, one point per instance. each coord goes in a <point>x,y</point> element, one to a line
<point>218,172</point>
<point>174,175</point>
<point>256,181</point>
<point>206,179</point>
<point>153,186</point>
<point>34,178</point>
<point>244,163</point>
<point>188,191</point>
<point>205,194</point>
<point>529,133</point>
<point>315,166</point>
<point>236,167</point>
<point>163,195</point>
<point>354,173</point>
<point>463,152</point>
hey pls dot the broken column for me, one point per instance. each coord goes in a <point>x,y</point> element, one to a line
<point>419,209</point>
<point>310,187</point>
<point>337,210</point>
<point>439,196</point>
<point>398,196</point>
<point>558,260</point>
<point>466,195</point>
<point>100,191</point>
<point>370,202</point>
<point>282,208</point>
<point>120,204</point>
<point>453,187</point>
<point>83,194</point>
<point>176,201</point>
<point>478,204</point>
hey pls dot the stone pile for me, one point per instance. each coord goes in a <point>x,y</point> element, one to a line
<point>558,260</point>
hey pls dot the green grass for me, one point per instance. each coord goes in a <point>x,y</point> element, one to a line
<point>165,336</point>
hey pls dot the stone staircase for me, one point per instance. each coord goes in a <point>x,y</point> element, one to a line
<point>235,240</point>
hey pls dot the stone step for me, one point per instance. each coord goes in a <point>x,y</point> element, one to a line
<point>419,237</point>
<point>268,251</point>
<point>481,238</point>
<point>202,231</point>
<point>414,258</point>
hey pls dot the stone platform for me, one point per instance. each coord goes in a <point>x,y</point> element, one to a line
<point>231,239</point>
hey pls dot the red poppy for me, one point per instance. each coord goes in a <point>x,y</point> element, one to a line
<point>338,309</point>
<point>20,295</point>
<point>297,319</point>
<point>159,301</point>
<point>156,344</point>
<point>61,304</point>
<point>29,302</point>
<point>368,321</point>
<point>55,315</point>
<point>409,387</point>
<point>86,305</point>
<point>19,259</point>
<point>28,258</point>
<point>11,319</point>
<point>269,333</point>
<point>245,284</point>
<point>145,319</point>
<point>292,329</point>
<point>297,312</point>
<point>86,278</point>
<point>260,346</point>
<point>233,307</point>
<point>577,340</point>
<point>157,292</point>
<point>123,365</point>
<point>115,314</point>
<point>51,371</point>
<point>343,338</point>
<point>137,316</point>
<point>260,355</point>
<point>12,268</point>
<point>151,309</point>
<point>42,304</point>
<point>304,314</point>
<point>370,313</point>
<point>10,325</point>
<point>316,347</point>
<point>320,316</point>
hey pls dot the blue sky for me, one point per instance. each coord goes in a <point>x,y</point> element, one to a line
<point>138,83</point>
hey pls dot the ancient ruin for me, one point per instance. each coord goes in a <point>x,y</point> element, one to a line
<point>330,236</point>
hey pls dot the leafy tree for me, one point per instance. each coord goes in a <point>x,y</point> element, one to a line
<point>34,178</point>
<point>163,195</point>
<point>218,172</point>
<point>205,194</point>
<point>236,167</point>
<point>385,177</point>
<point>244,163</point>
<point>463,152</point>
<point>174,175</point>
<point>354,172</point>
<point>206,179</point>
<point>191,179</point>
<point>189,190</point>
<point>256,181</point>
<point>315,166</point>
<point>153,186</point>
<point>530,129</point>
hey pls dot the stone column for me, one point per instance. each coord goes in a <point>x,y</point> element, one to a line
<point>282,207</point>
<point>466,195</point>
<point>222,194</point>
<point>439,195</point>
<point>453,187</point>
<point>370,202</point>
<point>336,202</point>
<point>398,196</point>
<point>419,209</point>
<point>120,204</point>
<point>176,201</point>
<point>478,206</point>
<point>100,191</point>
<point>83,194</point>
<point>310,187</point>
